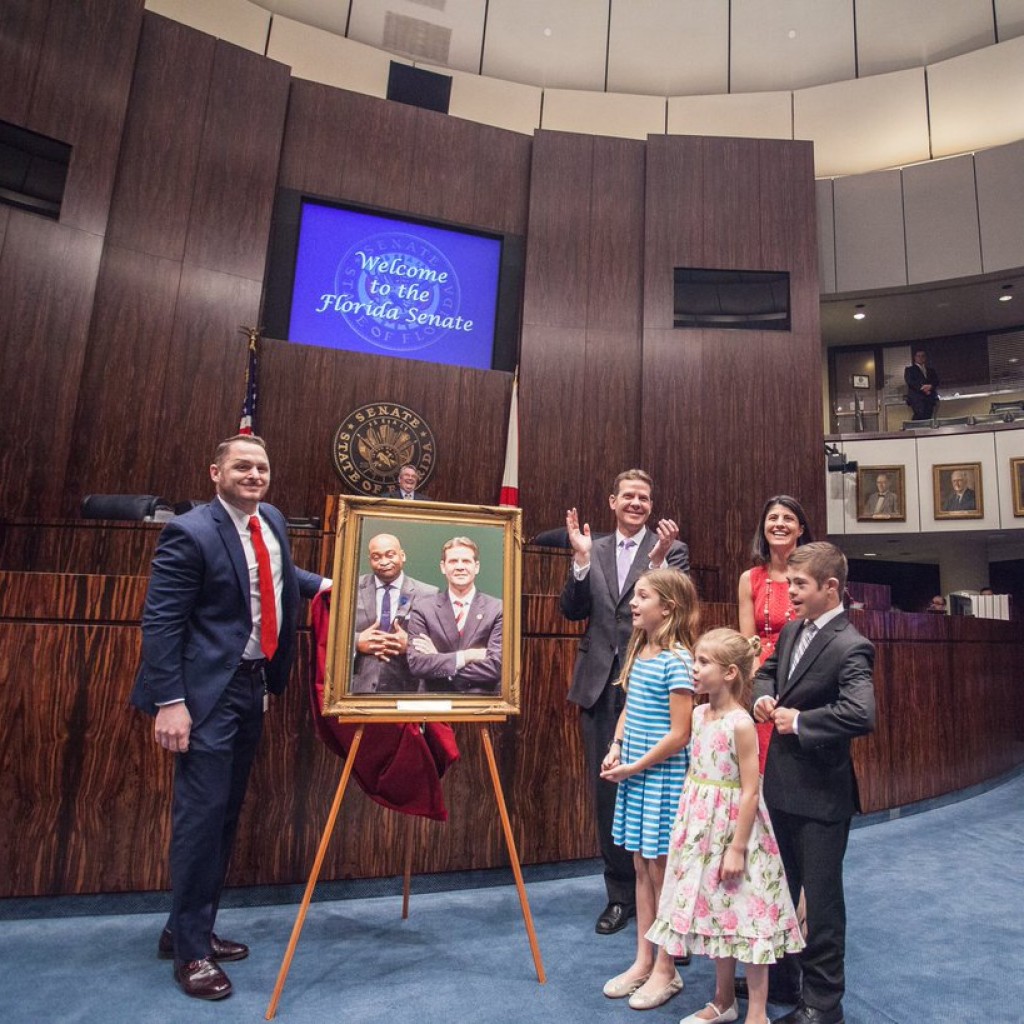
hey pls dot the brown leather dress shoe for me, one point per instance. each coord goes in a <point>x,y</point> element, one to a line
<point>220,949</point>
<point>202,979</point>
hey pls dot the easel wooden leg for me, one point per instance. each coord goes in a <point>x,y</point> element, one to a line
<point>410,821</point>
<point>286,963</point>
<point>509,839</point>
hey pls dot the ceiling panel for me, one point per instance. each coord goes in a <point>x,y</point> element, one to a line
<point>896,34</point>
<point>1009,19</point>
<point>490,101</point>
<point>330,15</point>
<point>557,45</point>
<point>446,32</point>
<point>669,47</point>
<point>790,45</point>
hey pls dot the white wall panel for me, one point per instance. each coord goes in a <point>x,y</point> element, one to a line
<point>999,173</point>
<point>790,46</point>
<point>864,124</point>
<point>320,56</point>
<point>955,449</point>
<point>940,214</point>
<point>596,113</point>
<point>330,15</point>
<point>236,21</point>
<point>901,451</point>
<point>751,115</point>
<point>977,100</point>
<point>675,49</point>
<point>554,45</point>
<point>1009,445</point>
<point>897,34</point>
<point>491,101</point>
<point>870,249</point>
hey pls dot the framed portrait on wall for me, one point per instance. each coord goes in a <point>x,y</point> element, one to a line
<point>958,491</point>
<point>881,494</point>
<point>425,620</point>
<point>1017,478</point>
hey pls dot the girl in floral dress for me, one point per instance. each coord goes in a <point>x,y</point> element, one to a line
<point>725,894</point>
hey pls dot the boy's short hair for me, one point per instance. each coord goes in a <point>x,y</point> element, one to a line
<point>822,561</point>
<point>632,474</point>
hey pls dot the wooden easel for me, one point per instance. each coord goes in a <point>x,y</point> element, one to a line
<point>346,772</point>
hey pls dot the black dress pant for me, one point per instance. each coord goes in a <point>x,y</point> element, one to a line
<point>597,724</point>
<point>210,780</point>
<point>812,854</point>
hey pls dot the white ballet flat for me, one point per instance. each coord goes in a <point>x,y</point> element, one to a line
<point>620,986</point>
<point>641,1000</point>
<point>724,1016</point>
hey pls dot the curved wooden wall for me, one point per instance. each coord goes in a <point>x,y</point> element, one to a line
<point>85,802</point>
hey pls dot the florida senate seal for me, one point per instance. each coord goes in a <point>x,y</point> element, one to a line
<point>375,441</point>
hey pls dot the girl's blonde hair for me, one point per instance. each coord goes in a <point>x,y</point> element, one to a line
<point>678,629</point>
<point>726,647</point>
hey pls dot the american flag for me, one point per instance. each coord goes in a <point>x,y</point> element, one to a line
<point>247,421</point>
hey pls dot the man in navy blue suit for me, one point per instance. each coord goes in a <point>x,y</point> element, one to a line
<point>218,635</point>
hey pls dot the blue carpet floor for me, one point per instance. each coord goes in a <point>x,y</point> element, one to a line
<point>935,905</point>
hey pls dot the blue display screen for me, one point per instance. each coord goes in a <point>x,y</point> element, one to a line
<point>370,283</point>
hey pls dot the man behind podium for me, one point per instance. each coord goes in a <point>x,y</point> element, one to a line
<point>218,633</point>
<point>408,482</point>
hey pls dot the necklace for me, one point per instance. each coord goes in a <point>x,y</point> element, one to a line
<point>767,629</point>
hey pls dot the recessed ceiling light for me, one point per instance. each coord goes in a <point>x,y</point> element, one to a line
<point>859,314</point>
<point>870,554</point>
<point>1007,293</point>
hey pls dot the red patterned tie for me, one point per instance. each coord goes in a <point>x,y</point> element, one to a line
<point>268,606</point>
<point>460,614</point>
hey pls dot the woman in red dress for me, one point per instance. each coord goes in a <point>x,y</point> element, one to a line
<point>764,606</point>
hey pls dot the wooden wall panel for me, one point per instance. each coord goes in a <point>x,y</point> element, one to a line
<point>79,96</point>
<point>718,405</point>
<point>97,821</point>
<point>162,136</point>
<point>229,222</point>
<point>47,276</point>
<point>127,363</point>
<point>22,35</point>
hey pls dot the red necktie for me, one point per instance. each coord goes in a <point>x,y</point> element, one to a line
<point>268,606</point>
<point>460,614</point>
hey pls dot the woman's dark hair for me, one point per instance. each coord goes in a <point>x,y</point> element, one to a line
<point>759,548</point>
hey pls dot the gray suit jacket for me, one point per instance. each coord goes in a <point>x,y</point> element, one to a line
<point>597,597</point>
<point>483,628</point>
<point>369,674</point>
<point>811,773</point>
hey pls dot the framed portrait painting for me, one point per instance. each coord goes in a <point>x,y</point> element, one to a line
<point>425,612</point>
<point>881,494</point>
<point>1017,478</point>
<point>957,491</point>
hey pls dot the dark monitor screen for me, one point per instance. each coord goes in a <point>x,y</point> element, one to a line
<point>370,281</point>
<point>751,300</point>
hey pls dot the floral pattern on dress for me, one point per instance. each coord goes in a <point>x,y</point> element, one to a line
<point>752,918</point>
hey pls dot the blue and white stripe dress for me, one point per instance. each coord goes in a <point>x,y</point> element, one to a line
<point>647,803</point>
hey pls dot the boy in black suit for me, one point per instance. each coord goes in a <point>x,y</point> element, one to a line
<point>817,688</point>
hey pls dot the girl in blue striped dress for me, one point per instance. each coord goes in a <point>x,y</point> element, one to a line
<point>648,759</point>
